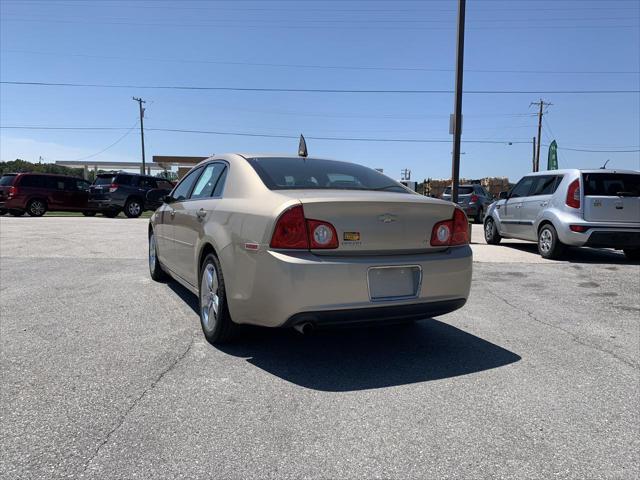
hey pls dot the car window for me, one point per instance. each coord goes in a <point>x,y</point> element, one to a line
<point>181,192</point>
<point>544,185</point>
<point>313,173</point>
<point>522,188</point>
<point>461,190</point>
<point>207,181</point>
<point>147,183</point>
<point>56,183</point>
<point>611,184</point>
<point>164,184</point>
<point>82,184</point>
<point>217,192</point>
<point>7,180</point>
<point>104,180</point>
<point>33,181</point>
<point>130,180</point>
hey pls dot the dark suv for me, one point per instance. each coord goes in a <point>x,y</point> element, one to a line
<point>473,199</point>
<point>35,193</point>
<point>112,193</point>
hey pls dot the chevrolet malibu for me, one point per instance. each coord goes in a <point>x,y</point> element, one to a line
<point>303,242</point>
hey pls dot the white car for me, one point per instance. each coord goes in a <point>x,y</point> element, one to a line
<point>580,208</point>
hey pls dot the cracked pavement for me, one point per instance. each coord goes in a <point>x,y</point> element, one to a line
<point>105,374</point>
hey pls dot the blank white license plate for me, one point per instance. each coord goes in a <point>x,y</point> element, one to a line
<point>393,283</point>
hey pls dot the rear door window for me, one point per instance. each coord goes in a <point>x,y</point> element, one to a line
<point>611,184</point>
<point>522,188</point>
<point>129,180</point>
<point>544,185</point>
<point>57,183</point>
<point>208,180</point>
<point>147,183</point>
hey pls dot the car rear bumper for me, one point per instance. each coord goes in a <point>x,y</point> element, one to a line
<point>12,204</point>
<point>284,288</point>
<point>601,236</point>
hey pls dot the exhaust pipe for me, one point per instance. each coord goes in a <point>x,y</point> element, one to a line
<point>304,328</point>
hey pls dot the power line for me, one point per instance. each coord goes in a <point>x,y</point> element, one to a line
<point>317,90</point>
<point>111,145</point>
<point>315,66</point>
<point>632,149</point>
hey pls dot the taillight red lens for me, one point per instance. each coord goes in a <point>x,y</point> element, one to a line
<point>474,198</point>
<point>573,194</point>
<point>13,191</point>
<point>291,230</point>
<point>113,187</point>
<point>578,228</point>
<point>451,232</point>
<point>322,234</point>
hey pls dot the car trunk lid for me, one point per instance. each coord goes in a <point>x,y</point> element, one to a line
<point>611,197</point>
<point>375,223</point>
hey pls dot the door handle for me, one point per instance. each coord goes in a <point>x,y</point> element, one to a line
<point>544,204</point>
<point>519,205</point>
<point>172,212</point>
<point>201,214</point>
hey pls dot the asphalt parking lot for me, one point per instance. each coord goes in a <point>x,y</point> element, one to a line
<point>106,374</point>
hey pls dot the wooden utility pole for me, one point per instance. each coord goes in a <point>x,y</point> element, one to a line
<point>457,119</point>
<point>541,104</point>
<point>140,102</point>
<point>533,157</point>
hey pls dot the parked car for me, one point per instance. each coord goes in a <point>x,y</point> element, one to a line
<point>473,199</point>
<point>112,193</point>
<point>292,242</point>
<point>591,208</point>
<point>37,193</point>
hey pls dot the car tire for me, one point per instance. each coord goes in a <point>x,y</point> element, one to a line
<point>491,234</point>
<point>155,269</point>
<point>632,254</point>
<point>36,207</point>
<point>133,208</point>
<point>89,213</point>
<point>215,319</point>
<point>16,213</point>
<point>3,211</point>
<point>111,213</point>
<point>549,245</point>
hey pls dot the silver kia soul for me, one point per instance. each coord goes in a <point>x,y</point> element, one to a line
<point>590,208</point>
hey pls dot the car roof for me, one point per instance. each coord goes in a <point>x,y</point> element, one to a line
<point>580,170</point>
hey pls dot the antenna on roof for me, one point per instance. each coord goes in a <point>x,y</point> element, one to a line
<point>302,147</point>
<point>605,164</point>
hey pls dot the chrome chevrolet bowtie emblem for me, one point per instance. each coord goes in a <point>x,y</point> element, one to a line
<point>387,218</point>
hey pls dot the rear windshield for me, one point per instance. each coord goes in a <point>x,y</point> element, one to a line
<point>311,173</point>
<point>461,190</point>
<point>7,180</point>
<point>611,184</point>
<point>104,180</point>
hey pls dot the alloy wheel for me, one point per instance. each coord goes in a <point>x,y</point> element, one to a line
<point>37,208</point>
<point>134,208</point>
<point>152,253</point>
<point>209,298</point>
<point>546,240</point>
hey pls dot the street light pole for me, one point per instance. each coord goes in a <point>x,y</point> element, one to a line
<point>457,130</point>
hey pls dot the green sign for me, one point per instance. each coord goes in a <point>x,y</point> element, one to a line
<point>552,159</point>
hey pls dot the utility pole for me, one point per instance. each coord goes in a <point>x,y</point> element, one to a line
<point>140,102</point>
<point>541,104</point>
<point>533,158</point>
<point>457,120</point>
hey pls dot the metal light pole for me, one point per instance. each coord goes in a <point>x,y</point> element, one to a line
<point>457,120</point>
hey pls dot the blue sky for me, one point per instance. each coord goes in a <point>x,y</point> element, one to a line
<point>386,45</point>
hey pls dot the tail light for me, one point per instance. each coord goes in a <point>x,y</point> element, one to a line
<point>13,191</point>
<point>449,233</point>
<point>294,231</point>
<point>573,194</point>
<point>113,187</point>
<point>578,228</point>
<point>474,198</point>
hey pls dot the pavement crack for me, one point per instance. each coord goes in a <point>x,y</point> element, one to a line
<point>133,404</point>
<point>573,336</point>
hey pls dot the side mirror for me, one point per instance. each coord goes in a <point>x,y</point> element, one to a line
<point>167,199</point>
<point>504,195</point>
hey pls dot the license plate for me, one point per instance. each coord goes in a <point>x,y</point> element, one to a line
<point>394,283</point>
